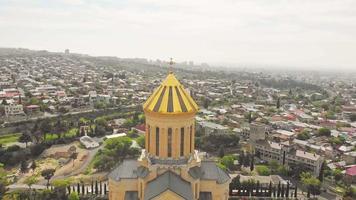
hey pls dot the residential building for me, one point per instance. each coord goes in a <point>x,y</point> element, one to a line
<point>13,110</point>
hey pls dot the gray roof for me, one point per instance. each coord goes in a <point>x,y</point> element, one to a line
<point>131,195</point>
<point>168,181</point>
<point>128,169</point>
<point>208,170</point>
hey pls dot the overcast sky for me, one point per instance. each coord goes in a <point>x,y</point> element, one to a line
<point>302,33</point>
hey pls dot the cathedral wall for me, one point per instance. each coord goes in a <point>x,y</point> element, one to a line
<point>117,189</point>
<point>218,191</point>
<point>178,123</point>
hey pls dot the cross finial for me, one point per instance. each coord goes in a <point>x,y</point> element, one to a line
<point>171,65</point>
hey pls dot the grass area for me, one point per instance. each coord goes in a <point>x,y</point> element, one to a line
<point>71,133</point>
<point>9,138</point>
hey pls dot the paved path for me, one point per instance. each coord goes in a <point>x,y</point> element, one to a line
<point>24,186</point>
<point>82,168</point>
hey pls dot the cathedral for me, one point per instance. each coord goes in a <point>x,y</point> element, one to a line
<point>169,167</point>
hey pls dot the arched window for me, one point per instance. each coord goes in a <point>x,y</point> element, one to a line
<point>157,141</point>
<point>148,137</point>
<point>182,141</point>
<point>191,138</point>
<point>169,142</point>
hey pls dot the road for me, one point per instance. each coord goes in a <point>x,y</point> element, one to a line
<point>82,168</point>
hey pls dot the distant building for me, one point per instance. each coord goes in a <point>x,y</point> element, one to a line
<point>350,175</point>
<point>285,153</point>
<point>66,51</point>
<point>88,142</point>
<point>208,128</point>
<point>257,131</point>
<point>13,110</point>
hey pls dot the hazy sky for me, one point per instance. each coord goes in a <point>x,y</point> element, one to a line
<point>305,33</point>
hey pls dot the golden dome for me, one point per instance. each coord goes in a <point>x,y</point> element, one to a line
<point>170,98</point>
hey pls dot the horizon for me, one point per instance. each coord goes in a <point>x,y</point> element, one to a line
<point>300,35</point>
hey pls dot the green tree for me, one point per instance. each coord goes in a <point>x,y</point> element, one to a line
<point>73,196</point>
<point>31,180</point>
<point>115,150</point>
<point>337,173</point>
<point>25,138</point>
<point>3,181</point>
<point>278,103</point>
<point>311,183</point>
<point>263,170</point>
<point>23,166</point>
<point>47,174</point>
<point>304,135</point>
<point>74,156</point>
<point>252,163</point>
<point>324,132</point>
<point>353,117</point>
<point>45,128</point>
<point>228,161</point>
<point>33,165</point>
<point>60,186</point>
<point>221,151</point>
<point>141,141</point>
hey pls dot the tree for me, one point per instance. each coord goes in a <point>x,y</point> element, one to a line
<point>46,127</point>
<point>337,173</point>
<point>3,181</point>
<point>23,167</point>
<point>273,165</point>
<point>353,117</point>
<point>312,184</point>
<point>279,189</point>
<point>221,151</point>
<point>321,174</point>
<point>228,161</point>
<point>74,156</point>
<point>304,135</point>
<point>47,174</point>
<point>141,141</point>
<point>247,160</point>
<point>278,103</point>
<point>73,196</point>
<point>115,150</point>
<point>60,186</point>
<point>242,158</point>
<point>235,182</point>
<point>252,163</point>
<point>287,190</point>
<point>25,138</point>
<point>135,117</point>
<point>33,165</point>
<point>270,189</point>
<point>263,170</point>
<point>29,181</point>
<point>206,103</point>
<point>324,132</point>
<point>249,117</point>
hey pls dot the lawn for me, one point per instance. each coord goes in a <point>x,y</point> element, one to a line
<point>71,133</point>
<point>9,138</point>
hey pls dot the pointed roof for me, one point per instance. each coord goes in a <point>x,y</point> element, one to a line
<point>170,98</point>
<point>168,181</point>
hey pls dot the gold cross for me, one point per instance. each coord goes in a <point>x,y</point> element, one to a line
<point>171,66</point>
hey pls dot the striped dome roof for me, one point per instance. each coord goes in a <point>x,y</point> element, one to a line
<point>170,98</point>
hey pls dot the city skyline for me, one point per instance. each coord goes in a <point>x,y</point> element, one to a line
<point>316,35</point>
